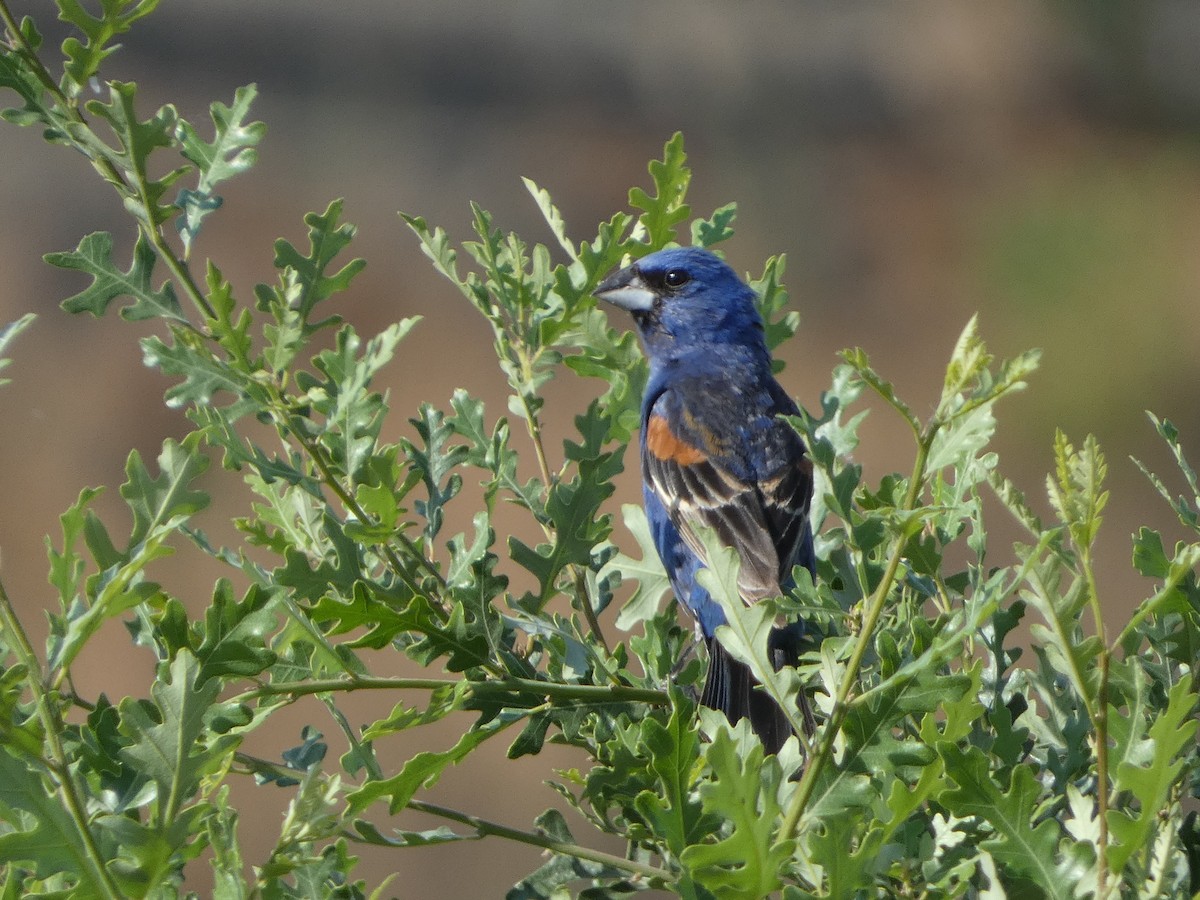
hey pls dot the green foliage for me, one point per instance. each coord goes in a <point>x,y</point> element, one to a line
<point>8,333</point>
<point>230,153</point>
<point>948,762</point>
<point>94,256</point>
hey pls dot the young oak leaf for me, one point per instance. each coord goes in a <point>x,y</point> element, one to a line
<point>648,571</point>
<point>234,633</point>
<point>116,17</point>
<point>168,736</point>
<point>666,209</point>
<point>231,152</point>
<point>422,771</point>
<point>53,844</point>
<point>747,861</point>
<point>7,333</point>
<point>93,256</point>
<point>1148,765</point>
<point>158,502</point>
<point>1010,813</point>
<point>138,139</point>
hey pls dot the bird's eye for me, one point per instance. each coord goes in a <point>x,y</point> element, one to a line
<point>676,278</point>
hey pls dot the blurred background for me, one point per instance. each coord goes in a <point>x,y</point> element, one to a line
<point>916,162</point>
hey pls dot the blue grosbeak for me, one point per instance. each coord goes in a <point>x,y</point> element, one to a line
<point>716,454</point>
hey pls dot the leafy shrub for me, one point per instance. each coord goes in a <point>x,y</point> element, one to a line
<point>942,769</point>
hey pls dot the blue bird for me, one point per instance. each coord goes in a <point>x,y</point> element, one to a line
<point>715,454</point>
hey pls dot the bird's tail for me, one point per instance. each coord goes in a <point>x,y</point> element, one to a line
<point>731,688</point>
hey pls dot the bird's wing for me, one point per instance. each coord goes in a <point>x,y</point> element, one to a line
<point>764,521</point>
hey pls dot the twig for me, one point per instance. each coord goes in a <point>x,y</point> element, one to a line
<point>53,726</point>
<point>486,827</point>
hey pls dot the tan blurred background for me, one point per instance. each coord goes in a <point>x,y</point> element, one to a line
<point>917,162</point>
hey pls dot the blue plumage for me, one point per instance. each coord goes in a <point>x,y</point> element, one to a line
<point>716,454</point>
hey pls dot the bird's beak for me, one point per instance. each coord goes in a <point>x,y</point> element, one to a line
<point>627,290</point>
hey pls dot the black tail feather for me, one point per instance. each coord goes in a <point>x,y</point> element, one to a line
<point>731,688</point>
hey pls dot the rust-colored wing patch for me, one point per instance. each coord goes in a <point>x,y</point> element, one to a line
<point>666,445</point>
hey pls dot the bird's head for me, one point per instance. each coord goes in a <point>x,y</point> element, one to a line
<point>686,301</point>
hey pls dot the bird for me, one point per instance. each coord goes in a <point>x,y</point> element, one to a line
<point>716,455</point>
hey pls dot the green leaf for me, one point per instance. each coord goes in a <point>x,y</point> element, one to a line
<point>204,376</point>
<point>846,872</point>
<point>164,502</point>
<point>17,75</point>
<point>231,322</point>
<point>1149,557</point>
<point>748,628</point>
<point>116,17</point>
<point>220,829</point>
<point>400,838</point>
<point>1188,511</point>
<point>968,362</point>
<point>673,812</point>
<point>550,880</point>
<point>970,383</point>
<point>716,228</point>
<point>648,571</point>
<point>231,152</point>
<point>746,862</point>
<point>666,209</point>
<point>94,257</point>
<point>1010,812</point>
<point>861,365</point>
<point>573,508</point>
<point>961,438</point>
<point>1077,493</point>
<point>422,771</point>
<point>363,609</point>
<point>551,214</point>
<point>491,451</point>
<point>442,701</point>
<point>138,139</point>
<point>327,239</point>
<point>779,324</point>
<point>160,507</point>
<point>234,634</point>
<point>169,740</point>
<point>40,831</point>
<point>8,333</point>
<point>435,462</point>
<point>353,412</point>
<point>1147,762</point>
<point>1014,501</point>
<point>466,638</point>
<point>66,568</point>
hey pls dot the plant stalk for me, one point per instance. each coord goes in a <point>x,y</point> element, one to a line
<point>70,111</point>
<point>584,693</point>
<point>1100,721</point>
<point>485,827</point>
<point>53,726</point>
<point>808,780</point>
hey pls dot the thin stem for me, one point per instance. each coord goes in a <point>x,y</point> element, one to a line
<point>183,275</point>
<point>70,111</point>
<point>1100,721</point>
<point>365,755</point>
<point>485,827</point>
<point>397,566</point>
<point>808,781</point>
<point>584,693</point>
<point>539,451</point>
<point>1148,607</point>
<point>53,727</point>
<point>539,448</point>
<point>35,62</point>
